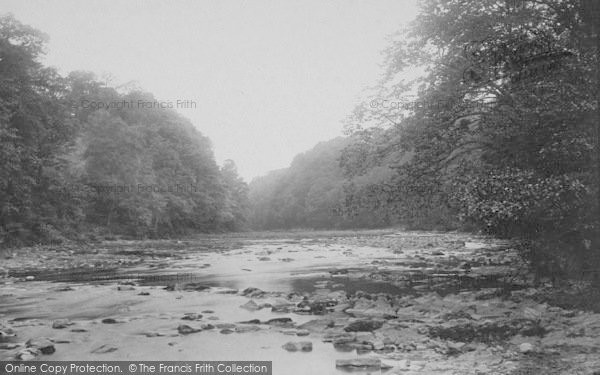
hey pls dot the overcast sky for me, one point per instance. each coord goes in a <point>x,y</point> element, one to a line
<point>270,78</point>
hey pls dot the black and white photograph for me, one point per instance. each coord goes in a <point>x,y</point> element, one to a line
<point>295,187</point>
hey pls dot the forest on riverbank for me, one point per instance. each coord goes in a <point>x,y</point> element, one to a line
<point>500,135</point>
<point>82,160</point>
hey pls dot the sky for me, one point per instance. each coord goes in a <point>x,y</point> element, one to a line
<point>270,78</point>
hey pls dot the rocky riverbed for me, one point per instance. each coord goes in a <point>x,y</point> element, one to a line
<point>324,303</point>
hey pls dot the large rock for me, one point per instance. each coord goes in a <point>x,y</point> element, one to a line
<point>364,325</point>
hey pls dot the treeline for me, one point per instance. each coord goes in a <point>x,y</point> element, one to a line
<point>79,158</point>
<point>501,135</point>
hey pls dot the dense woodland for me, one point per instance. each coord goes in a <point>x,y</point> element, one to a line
<point>499,136</point>
<point>72,170</point>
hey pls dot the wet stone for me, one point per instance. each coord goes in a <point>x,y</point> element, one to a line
<point>184,329</point>
<point>191,316</point>
<point>363,326</point>
<point>302,346</point>
<point>45,346</point>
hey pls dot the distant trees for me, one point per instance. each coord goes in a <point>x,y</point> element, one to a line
<point>69,165</point>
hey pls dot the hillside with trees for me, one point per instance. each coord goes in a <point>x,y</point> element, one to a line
<point>80,158</point>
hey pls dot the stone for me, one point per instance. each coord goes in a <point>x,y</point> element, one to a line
<point>125,288</point>
<point>191,316</point>
<point>109,321</point>
<point>143,293</point>
<point>194,287</point>
<point>226,331</point>
<point>247,328</point>
<point>104,349</point>
<point>27,354</point>
<point>302,346</point>
<point>208,312</point>
<point>250,305</point>
<point>60,324</point>
<point>252,292</point>
<point>207,326</point>
<point>525,348</point>
<point>280,322</point>
<point>184,329</point>
<point>359,363</point>
<point>252,321</point>
<point>363,326</point>
<point>43,345</point>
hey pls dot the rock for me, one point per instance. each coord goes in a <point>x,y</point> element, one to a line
<point>302,346</point>
<point>153,334</point>
<point>27,354</point>
<point>359,363</point>
<point>125,288</point>
<point>60,324</point>
<point>186,330</point>
<point>264,259</point>
<point>143,294</point>
<point>252,292</point>
<point>281,322</point>
<point>250,305</point>
<point>191,316</point>
<point>252,321</point>
<point>79,330</point>
<point>302,332</point>
<point>525,348</point>
<point>109,321</point>
<point>244,329</point>
<point>207,326</point>
<point>207,312</point>
<point>29,278</point>
<point>7,335</point>
<point>63,289</point>
<point>363,326</point>
<point>226,331</point>
<point>43,345</point>
<point>195,287</point>
<point>104,349</point>
<point>225,325</point>
<point>8,346</point>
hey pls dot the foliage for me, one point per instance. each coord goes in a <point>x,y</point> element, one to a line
<point>69,165</point>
